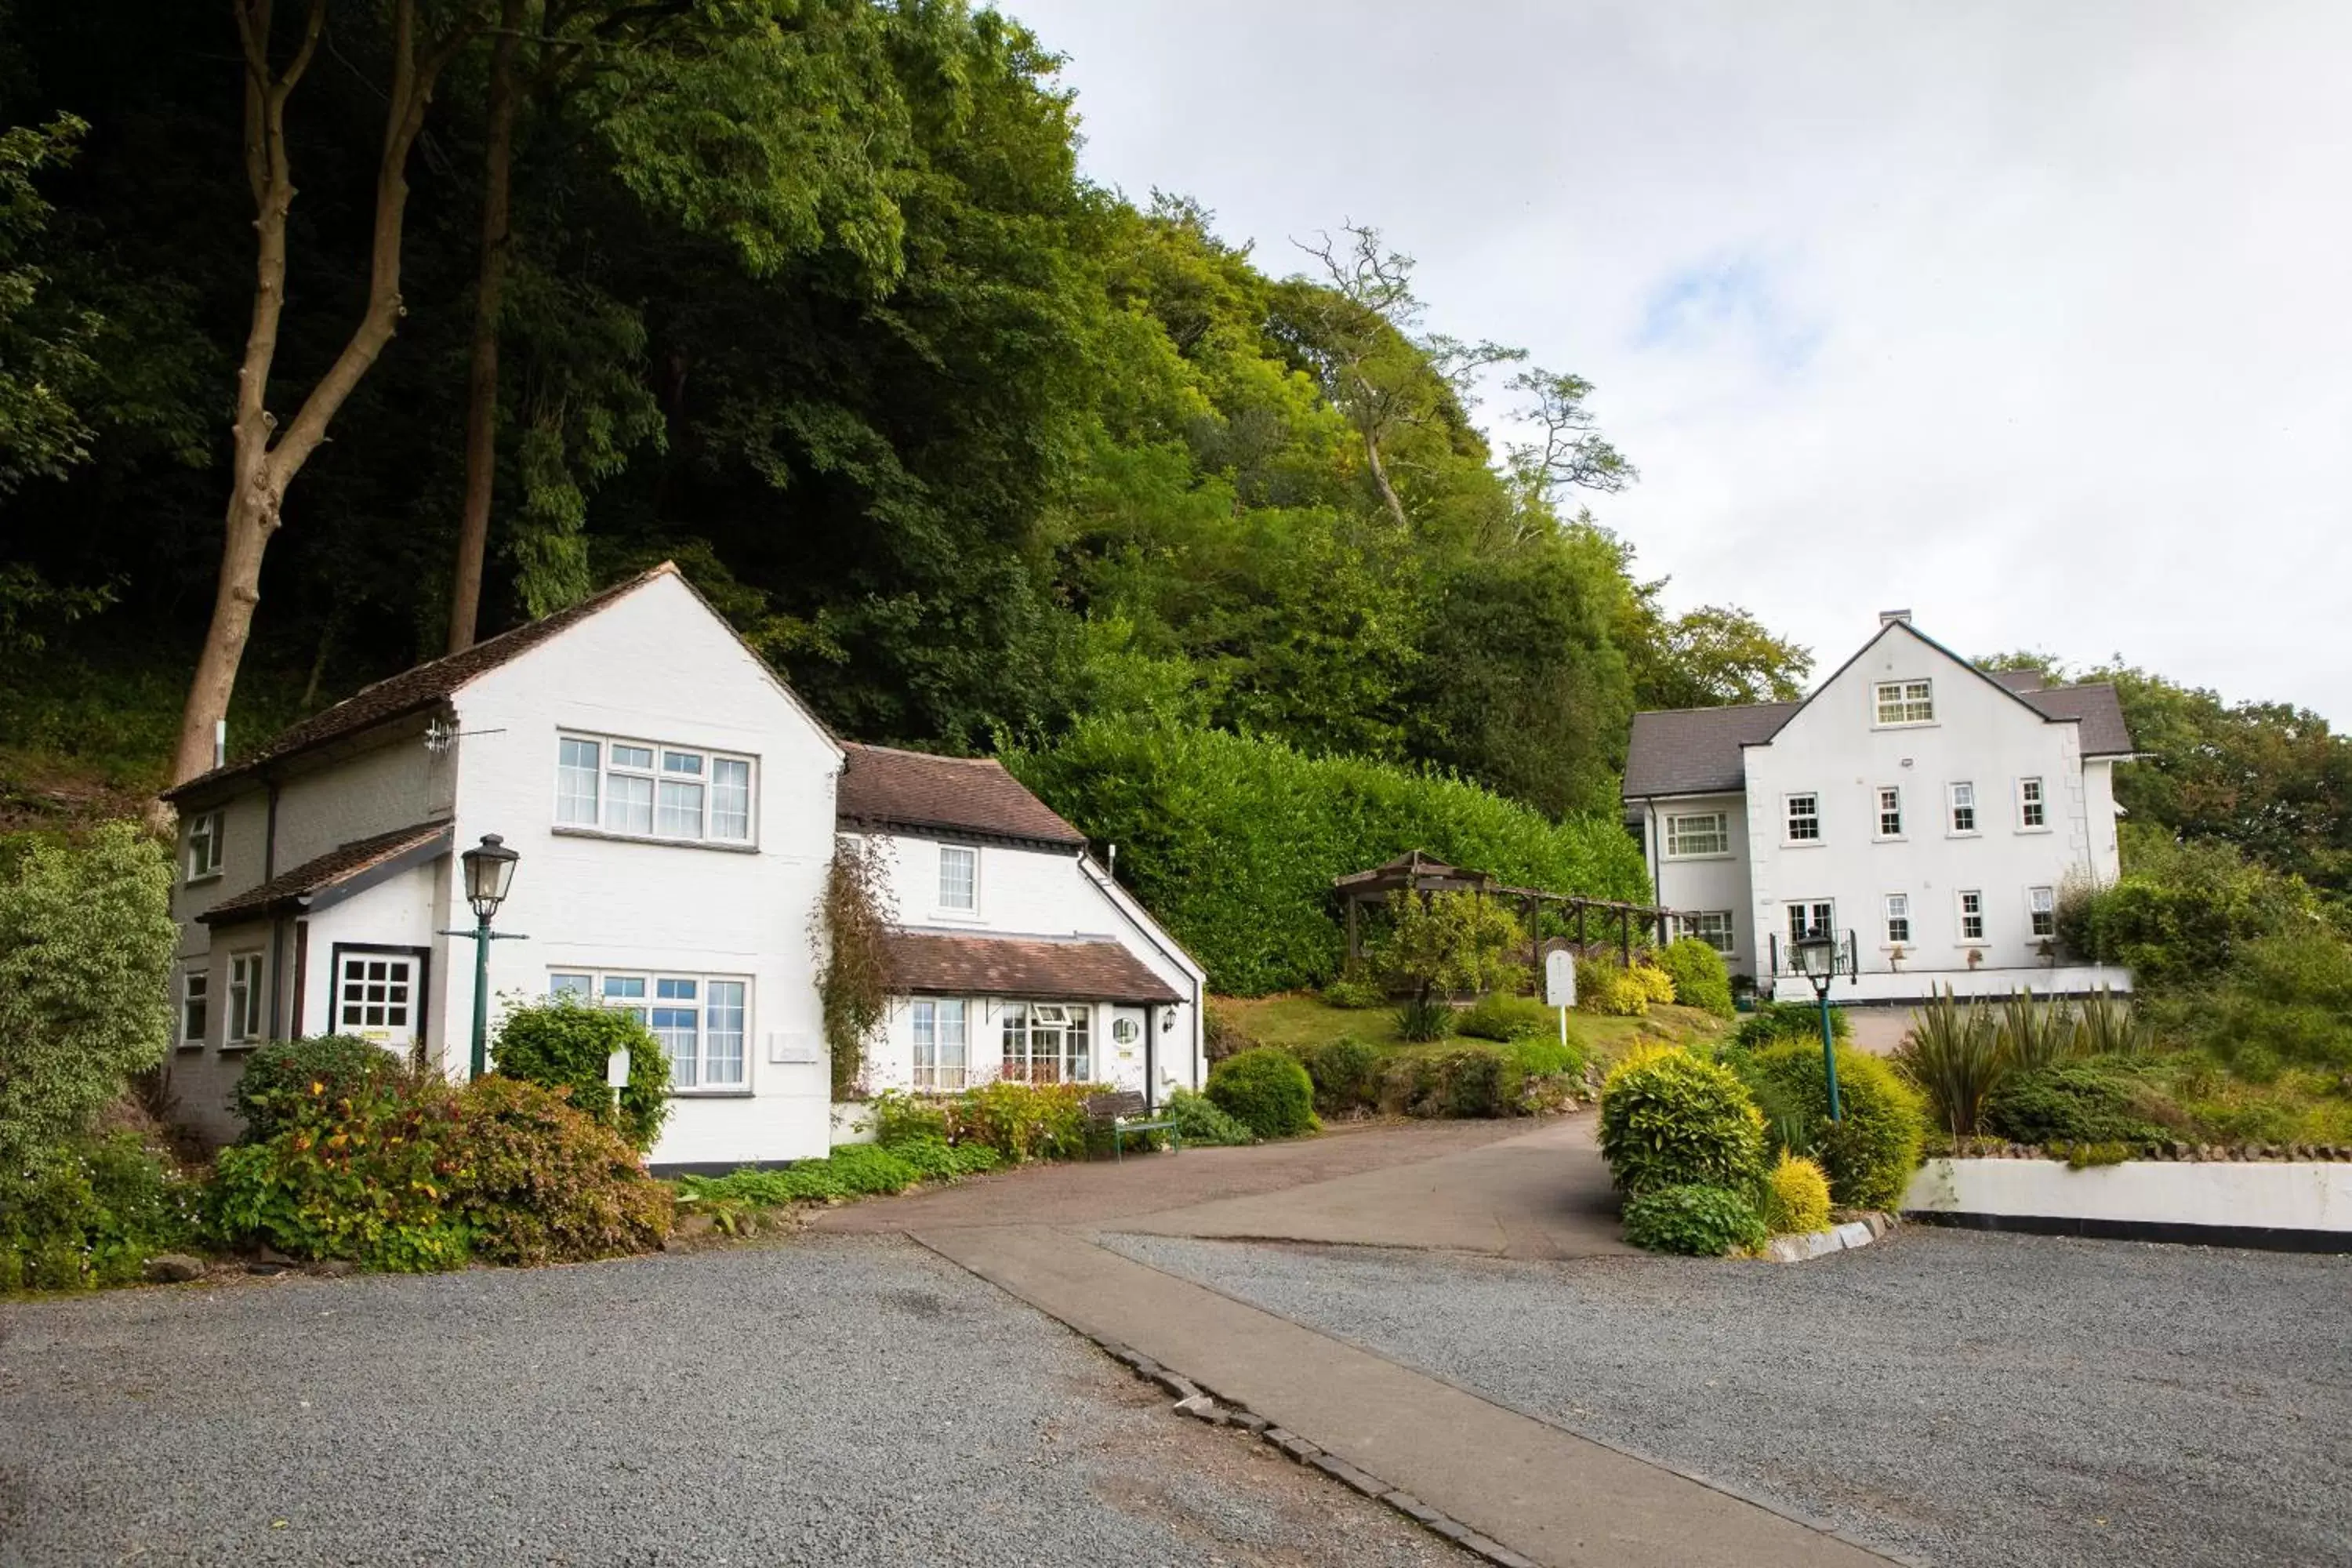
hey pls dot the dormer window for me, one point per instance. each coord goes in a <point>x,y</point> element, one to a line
<point>1904,701</point>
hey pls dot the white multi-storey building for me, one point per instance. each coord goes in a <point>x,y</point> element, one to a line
<point>676,809</point>
<point>1932,809</point>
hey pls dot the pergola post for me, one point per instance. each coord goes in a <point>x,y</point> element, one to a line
<point>1355,953</point>
<point>1625,938</point>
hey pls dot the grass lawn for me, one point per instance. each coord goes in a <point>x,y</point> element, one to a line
<point>1299,1019</point>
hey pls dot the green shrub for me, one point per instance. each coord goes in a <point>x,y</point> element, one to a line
<point>1669,1118</point>
<point>1233,840</point>
<point>90,1213</point>
<point>1953,1055</point>
<point>536,1180</point>
<point>1658,986</point>
<point>1695,1220</point>
<point>85,944</point>
<point>1266,1090</point>
<point>903,1118</point>
<point>564,1042</point>
<point>934,1159</point>
<point>1606,988</point>
<point>1538,1056</point>
<point>1424,1019</point>
<point>1871,1152</point>
<point>1022,1122</point>
<point>275,1086</point>
<point>1476,1083</point>
<point>1700,979</point>
<point>2288,996</point>
<point>1773,1021</point>
<point>2183,912</point>
<point>1499,1017</point>
<point>1353,994</point>
<point>2073,1102</point>
<point>1202,1124</point>
<point>1796,1196</point>
<point>1346,1073</point>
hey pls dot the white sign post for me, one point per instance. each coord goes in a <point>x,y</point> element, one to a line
<point>1560,985</point>
<point>616,1077</point>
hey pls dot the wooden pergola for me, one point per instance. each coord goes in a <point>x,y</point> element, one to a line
<point>1421,873</point>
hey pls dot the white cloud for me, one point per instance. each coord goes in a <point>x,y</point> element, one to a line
<point>2027,317</point>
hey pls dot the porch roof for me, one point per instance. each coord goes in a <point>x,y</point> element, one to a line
<point>1049,969</point>
<point>341,871</point>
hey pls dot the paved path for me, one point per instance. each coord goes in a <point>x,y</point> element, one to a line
<point>1484,1187</point>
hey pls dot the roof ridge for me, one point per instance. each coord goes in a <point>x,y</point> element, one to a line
<point>927,757</point>
<point>1722,706</point>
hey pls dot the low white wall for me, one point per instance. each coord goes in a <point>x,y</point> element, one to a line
<point>852,1122</point>
<point>1914,985</point>
<point>2252,1194</point>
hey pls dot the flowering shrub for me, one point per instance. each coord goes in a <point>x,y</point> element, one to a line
<point>1024,1121</point>
<point>283,1079</point>
<point>89,1213</point>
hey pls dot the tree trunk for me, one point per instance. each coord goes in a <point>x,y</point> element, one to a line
<point>263,467</point>
<point>482,375</point>
<point>1389,496</point>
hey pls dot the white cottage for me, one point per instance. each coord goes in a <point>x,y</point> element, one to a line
<point>1931,808</point>
<point>675,808</point>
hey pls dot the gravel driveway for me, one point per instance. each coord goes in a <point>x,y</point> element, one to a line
<point>832,1401</point>
<point>1971,1400</point>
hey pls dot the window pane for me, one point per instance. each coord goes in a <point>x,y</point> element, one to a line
<point>679,813</point>
<point>677,1029</point>
<point>575,781</point>
<point>1804,818</point>
<point>624,987</point>
<point>1704,833</point>
<point>723,1048</point>
<point>581,985</point>
<point>629,807</point>
<point>958,877</point>
<point>682,763</point>
<point>632,756</point>
<point>954,1046</point>
<point>730,799</point>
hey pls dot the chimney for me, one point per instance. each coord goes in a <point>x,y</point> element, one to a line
<point>1889,617</point>
<point>220,743</point>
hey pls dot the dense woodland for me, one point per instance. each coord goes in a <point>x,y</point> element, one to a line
<point>811,297</point>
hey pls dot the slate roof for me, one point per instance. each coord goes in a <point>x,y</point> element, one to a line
<point>416,689</point>
<point>1045,969</point>
<point>882,787</point>
<point>1697,751</point>
<point>339,867</point>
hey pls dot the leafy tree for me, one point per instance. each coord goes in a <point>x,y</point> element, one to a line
<point>44,360</point>
<point>1446,943</point>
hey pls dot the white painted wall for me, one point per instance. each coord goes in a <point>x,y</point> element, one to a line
<point>1981,734</point>
<point>1707,882</point>
<point>658,666</point>
<point>2273,1195</point>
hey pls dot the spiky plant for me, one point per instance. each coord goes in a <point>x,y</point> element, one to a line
<point>1953,1055</point>
<point>2109,1025</point>
<point>2036,1034</point>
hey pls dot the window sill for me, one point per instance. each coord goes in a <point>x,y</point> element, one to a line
<point>207,879</point>
<point>1890,838</point>
<point>958,917</point>
<point>711,1094</point>
<point>724,846</point>
<point>228,1046</point>
<point>2035,831</point>
<point>1965,833</point>
<point>1804,843</point>
<point>1686,860</point>
<point>189,1045</point>
<point>1906,724</point>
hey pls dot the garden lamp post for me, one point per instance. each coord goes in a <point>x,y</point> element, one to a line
<point>1817,959</point>
<point>489,871</point>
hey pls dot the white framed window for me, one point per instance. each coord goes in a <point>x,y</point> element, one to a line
<point>2041,911</point>
<point>942,1044</point>
<point>1890,812</point>
<point>1904,702</point>
<point>244,998</point>
<point>1964,807</point>
<point>1898,918</point>
<point>1693,835</point>
<point>1712,927</point>
<point>205,834</point>
<point>2033,809</point>
<point>703,1021</point>
<point>1811,917</point>
<point>1045,1042</point>
<point>641,789</point>
<point>375,996</point>
<point>958,877</point>
<point>1972,918</point>
<point>1804,816</point>
<point>196,1019</point>
<point>1125,1031</point>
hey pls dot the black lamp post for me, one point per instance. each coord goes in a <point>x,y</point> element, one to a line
<point>1817,958</point>
<point>489,871</point>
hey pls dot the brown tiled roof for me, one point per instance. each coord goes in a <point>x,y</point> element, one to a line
<point>339,866</point>
<point>414,691</point>
<point>884,788</point>
<point>1045,968</point>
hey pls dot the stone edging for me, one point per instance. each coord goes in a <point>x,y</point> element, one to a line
<point>2159,1150</point>
<point>1806,1246</point>
<point>1204,1405</point>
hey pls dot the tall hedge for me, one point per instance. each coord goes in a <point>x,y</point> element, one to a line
<point>1233,841</point>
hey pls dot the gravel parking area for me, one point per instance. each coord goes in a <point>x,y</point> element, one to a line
<point>1970,1400</point>
<point>830,1401</point>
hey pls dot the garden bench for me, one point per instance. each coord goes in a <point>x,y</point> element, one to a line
<point>1111,1108</point>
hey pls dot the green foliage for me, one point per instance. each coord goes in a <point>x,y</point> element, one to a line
<point>2182,912</point>
<point>1694,1219</point>
<point>1346,1073</point>
<point>1773,1021</point>
<point>565,1042</point>
<point>1423,1019</point>
<point>277,1088</point>
<point>1500,1016</point>
<point>44,360</point>
<point>1234,841</point>
<point>1796,1196</point>
<point>850,933</point>
<point>86,943</point>
<point>1346,993</point>
<point>1699,977</point>
<point>1607,987</point>
<point>902,1118</point>
<point>1266,1090</point>
<point>2069,1102</point>
<point>2035,1034</point>
<point>1954,1057</point>
<point>1201,1122</point>
<point>1445,943</point>
<point>89,1213</point>
<point>1022,1122</point>
<point>1475,1082</point>
<point>934,1159</point>
<point>2287,999</point>
<point>1871,1152</point>
<point>1669,1118</point>
<point>1546,1056</point>
<point>2108,1024</point>
<point>538,1180</point>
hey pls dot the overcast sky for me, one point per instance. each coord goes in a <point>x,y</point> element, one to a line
<point>2033,318</point>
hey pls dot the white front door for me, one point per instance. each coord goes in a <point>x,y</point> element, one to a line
<point>375,996</point>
